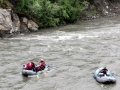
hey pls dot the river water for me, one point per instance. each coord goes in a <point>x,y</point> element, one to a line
<point>74,52</point>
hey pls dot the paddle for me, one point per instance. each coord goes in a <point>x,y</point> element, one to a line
<point>91,78</point>
<point>45,73</point>
<point>116,74</point>
<point>37,76</point>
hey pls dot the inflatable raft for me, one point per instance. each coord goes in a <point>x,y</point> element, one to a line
<point>31,72</point>
<point>101,78</point>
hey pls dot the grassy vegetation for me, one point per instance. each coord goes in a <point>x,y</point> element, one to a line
<point>3,3</point>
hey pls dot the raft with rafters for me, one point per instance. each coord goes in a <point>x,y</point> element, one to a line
<point>31,72</point>
<point>101,78</point>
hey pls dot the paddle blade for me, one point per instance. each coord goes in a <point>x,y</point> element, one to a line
<point>37,76</point>
<point>45,73</point>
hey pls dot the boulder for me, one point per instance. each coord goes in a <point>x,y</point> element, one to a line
<point>32,26</point>
<point>5,22</point>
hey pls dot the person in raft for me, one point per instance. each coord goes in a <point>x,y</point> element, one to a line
<point>36,68</point>
<point>29,66</point>
<point>104,71</point>
<point>40,66</point>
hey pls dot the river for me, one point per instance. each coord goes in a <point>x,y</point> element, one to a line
<point>74,52</point>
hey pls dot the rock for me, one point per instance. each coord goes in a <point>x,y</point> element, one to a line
<point>28,25</point>
<point>16,23</point>
<point>10,24</point>
<point>32,26</point>
<point>24,20</point>
<point>5,20</point>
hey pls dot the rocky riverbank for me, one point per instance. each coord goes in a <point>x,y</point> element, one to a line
<point>11,24</point>
<point>102,8</point>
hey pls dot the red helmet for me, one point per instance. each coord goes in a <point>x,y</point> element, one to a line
<point>41,61</point>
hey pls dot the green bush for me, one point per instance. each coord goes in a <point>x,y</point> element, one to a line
<point>3,3</point>
<point>50,13</point>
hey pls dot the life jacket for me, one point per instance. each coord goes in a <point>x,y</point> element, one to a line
<point>41,66</point>
<point>104,70</point>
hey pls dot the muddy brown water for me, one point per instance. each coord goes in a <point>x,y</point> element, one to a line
<point>74,52</point>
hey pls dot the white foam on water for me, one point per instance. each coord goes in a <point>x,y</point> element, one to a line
<point>65,36</point>
<point>62,35</point>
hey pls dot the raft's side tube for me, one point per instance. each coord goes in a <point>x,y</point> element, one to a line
<point>28,72</point>
<point>31,72</point>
